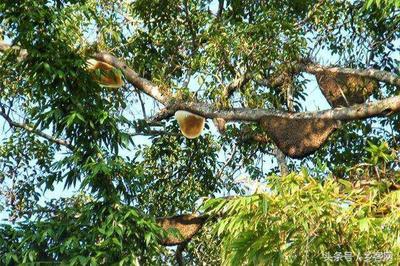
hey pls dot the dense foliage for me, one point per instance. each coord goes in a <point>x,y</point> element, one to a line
<point>301,221</point>
<point>125,170</point>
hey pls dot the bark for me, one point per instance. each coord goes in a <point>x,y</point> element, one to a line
<point>179,254</point>
<point>281,158</point>
<point>356,112</point>
<point>141,83</point>
<point>383,107</point>
<point>362,111</point>
<point>376,74</point>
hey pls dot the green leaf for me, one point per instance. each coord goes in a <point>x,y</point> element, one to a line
<point>117,242</point>
<point>47,67</point>
<point>364,225</point>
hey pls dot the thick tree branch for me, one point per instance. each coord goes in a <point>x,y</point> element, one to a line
<point>313,68</point>
<point>355,112</point>
<point>281,158</point>
<point>141,83</point>
<point>376,74</point>
<point>273,82</point>
<point>360,111</point>
<point>179,254</point>
<point>155,92</point>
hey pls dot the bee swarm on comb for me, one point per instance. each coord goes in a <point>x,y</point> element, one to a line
<point>105,74</point>
<point>191,125</point>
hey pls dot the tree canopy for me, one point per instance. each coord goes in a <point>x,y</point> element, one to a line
<point>298,161</point>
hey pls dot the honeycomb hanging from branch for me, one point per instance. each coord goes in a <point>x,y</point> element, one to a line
<point>187,225</point>
<point>345,89</point>
<point>191,125</point>
<point>298,137</point>
<point>105,74</point>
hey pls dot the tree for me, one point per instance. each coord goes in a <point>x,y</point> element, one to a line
<point>326,184</point>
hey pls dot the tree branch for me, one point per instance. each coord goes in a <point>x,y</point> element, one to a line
<point>34,131</point>
<point>155,92</point>
<point>237,83</point>
<point>179,254</point>
<point>141,83</point>
<point>220,8</point>
<point>142,105</point>
<point>281,158</point>
<point>378,108</point>
<point>360,111</point>
<point>376,74</point>
<point>188,225</point>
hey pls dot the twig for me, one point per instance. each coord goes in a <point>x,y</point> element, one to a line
<point>142,104</point>
<point>220,172</point>
<point>34,131</point>
<point>220,8</point>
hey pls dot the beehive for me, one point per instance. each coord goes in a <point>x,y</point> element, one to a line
<point>105,74</point>
<point>298,137</point>
<point>187,225</point>
<point>191,125</point>
<point>345,89</point>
